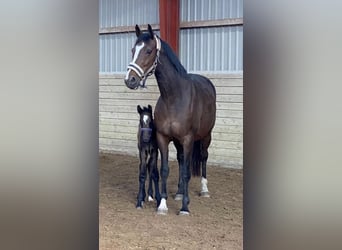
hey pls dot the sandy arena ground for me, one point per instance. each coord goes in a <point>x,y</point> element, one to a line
<point>214,223</point>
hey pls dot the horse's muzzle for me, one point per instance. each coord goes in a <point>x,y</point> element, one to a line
<point>132,82</point>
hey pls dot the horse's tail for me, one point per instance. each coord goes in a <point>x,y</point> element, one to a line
<point>196,159</point>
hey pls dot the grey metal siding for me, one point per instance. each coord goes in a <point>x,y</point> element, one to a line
<point>200,10</point>
<point>115,49</point>
<point>216,49</point>
<point>128,12</point>
<point>212,49</point>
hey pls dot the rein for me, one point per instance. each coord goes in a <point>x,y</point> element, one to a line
<point>140,72</point>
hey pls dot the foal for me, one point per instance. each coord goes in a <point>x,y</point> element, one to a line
<point>148,154</point>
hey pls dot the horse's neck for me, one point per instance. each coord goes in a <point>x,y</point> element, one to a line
<point>170,82</point>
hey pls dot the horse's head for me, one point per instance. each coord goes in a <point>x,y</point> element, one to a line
<point>145,123</point>
<point>145,54</point>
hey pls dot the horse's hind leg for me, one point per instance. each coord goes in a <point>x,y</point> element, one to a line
<point>142,178</point>
<point>204,157</point>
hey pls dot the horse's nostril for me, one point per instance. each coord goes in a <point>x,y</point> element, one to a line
<point>132,79</point>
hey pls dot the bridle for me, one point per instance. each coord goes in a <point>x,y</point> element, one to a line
<point>140,72</point>
<point>149,135</point>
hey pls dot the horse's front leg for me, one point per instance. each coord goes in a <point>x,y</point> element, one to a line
<point>163,145</point>
<point>154,175</point>
<point>186,175</point>
<point>180,159</point>
<point>142,178</point>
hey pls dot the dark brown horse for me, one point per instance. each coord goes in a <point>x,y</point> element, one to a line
<point>185,112</point>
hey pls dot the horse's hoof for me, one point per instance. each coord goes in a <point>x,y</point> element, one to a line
<point>150,198</point>
<point>162,211</point>
<point>178,197</point>
<point>139,208</point>
<point>205,194</point>
<point>184,212</point>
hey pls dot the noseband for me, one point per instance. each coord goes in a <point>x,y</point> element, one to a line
<point>139,71</point>
<point>146,139</point>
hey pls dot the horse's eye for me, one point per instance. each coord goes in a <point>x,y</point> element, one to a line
<point>148,51</point>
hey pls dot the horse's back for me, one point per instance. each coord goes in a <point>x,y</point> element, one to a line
<point>204,85</point>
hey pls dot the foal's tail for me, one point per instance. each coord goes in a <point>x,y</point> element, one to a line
<point>196,159</point>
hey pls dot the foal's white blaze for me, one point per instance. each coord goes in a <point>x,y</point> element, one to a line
<point>138,48</point>
<point>145,119</point>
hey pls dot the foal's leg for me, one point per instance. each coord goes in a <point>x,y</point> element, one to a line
<point>154,175</point>
<point>180,159</point>
<point>204,155</point>
<point>149,170</point>
<point>163,145</point>
<point>142,178</point>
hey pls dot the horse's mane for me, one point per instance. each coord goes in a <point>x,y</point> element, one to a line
<point>144,37</point>
<point>173,59</point>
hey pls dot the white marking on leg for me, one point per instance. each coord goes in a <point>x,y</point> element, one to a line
<point>162,206</point>
<point>150,198</point>
<point>145,118</point>
<point>204,183</point>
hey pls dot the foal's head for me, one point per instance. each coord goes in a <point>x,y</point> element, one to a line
<point>145,54</point>
<point>145,123</point>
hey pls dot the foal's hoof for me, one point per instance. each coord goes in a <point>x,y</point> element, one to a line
<point>150,198</point>
<point>139,208</point>
<point>205,194</point>
<point>184,212</point>
<point>140,205</point>
<point>178,197</point>
<point>162,211</point>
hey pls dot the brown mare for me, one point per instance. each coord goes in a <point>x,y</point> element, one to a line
<point>185,111</point>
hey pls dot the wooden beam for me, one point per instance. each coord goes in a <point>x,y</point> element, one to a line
<point>212,23</point>
<point>183,25</point>
<point>169,22</point>
<point>126,29</point>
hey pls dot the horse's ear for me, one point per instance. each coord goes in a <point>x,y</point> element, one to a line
<point>139,109</point>
<point>150,31</point>
<point>137,30</point>
<point>149,108</point>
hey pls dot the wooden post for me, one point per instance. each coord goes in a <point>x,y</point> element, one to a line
<point>169,22</point>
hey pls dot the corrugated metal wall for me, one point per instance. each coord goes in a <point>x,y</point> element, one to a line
<point>199,10</point>
<point>128,12</point>
<point>213,49</point>
<point>115,49</point>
